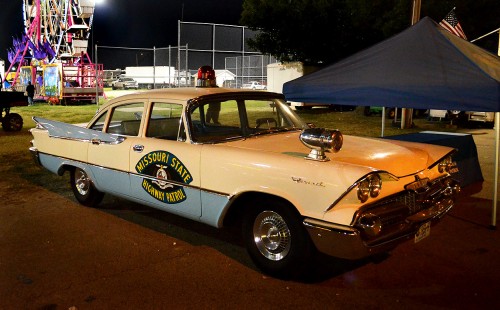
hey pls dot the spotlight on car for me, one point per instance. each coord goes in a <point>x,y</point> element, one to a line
<point>321,140</point>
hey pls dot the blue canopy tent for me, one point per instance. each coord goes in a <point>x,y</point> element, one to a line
<point>423,67</point>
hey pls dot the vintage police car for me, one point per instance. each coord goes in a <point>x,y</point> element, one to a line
<point>226,156</point>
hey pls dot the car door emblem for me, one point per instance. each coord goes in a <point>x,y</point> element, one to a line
<point>165,172</point>
<point>162,174</point>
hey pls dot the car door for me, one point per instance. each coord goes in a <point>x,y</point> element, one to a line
<point>164,169</point>
<point>110,162</point>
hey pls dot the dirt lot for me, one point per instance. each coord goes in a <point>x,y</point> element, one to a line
<point>56,254</point>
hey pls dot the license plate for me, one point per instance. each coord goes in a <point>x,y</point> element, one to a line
<point>423,231</point>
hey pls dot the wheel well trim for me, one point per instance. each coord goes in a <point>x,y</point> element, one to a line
<point>235,208</point>
<point>65,164</point>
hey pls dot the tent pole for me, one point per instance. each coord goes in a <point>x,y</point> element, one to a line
<point>383,122</point>
<point>495,186</point>
<point>407,114</point>
<point>497,147</point>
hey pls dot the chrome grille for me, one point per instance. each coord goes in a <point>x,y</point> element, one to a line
<point>409,199</point>
<point>401,213</point>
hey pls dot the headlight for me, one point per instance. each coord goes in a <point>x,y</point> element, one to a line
<point>370,186</point>
<point>447,165</point>
<point>375,185</point>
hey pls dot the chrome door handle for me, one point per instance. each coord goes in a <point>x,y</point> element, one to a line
<point>95,141</point>
<point>138,148</point>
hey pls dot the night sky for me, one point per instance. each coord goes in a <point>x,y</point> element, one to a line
<point>131,23</point>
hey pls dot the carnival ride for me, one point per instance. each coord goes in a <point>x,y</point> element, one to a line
<point>52,53</point>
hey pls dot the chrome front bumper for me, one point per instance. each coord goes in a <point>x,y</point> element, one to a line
<point>397,219</point>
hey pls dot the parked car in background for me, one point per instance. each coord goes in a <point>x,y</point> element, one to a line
<point>254,85</point>
<point>464,118</point>
<point>125,83</point>
<point>110,76</point>
<point>485,118</point>
<point>232,157</point>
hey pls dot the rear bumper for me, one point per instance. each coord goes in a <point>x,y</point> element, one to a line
<point>35,155</point>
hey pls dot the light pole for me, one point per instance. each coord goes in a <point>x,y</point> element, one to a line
<point>96,66</point>
<point>407,114</point>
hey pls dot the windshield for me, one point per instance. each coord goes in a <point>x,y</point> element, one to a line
<point>216,120</point>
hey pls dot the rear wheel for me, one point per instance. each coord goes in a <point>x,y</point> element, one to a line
<point>12,122</point>
<point>84,189</point>
<point>276,239</point>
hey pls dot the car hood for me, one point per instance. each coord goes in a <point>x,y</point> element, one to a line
<point>399,158</point>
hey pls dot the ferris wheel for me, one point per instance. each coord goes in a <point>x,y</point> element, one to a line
<point>57,29</point>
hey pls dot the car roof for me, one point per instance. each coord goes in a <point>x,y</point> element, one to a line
<point>186,93</point>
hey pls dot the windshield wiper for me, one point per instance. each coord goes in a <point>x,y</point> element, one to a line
<point>273,130</point>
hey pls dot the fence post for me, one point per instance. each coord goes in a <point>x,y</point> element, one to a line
<point>154,67</point>
<point>169,66</point>
<point>96,79</point>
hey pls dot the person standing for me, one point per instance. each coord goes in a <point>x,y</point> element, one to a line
<point>30,91</point>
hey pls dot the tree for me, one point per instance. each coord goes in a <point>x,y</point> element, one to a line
<point>321,31</point>
<point>325,31</point>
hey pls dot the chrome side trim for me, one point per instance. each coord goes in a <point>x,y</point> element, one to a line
<point>148,177</point>
<point>310,222</point>
<point>118,140</point>
<point>141,175</point>
<point>383,174</point>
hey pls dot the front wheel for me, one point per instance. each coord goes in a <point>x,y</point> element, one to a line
<point>84,189</point>
<point>276,240</point>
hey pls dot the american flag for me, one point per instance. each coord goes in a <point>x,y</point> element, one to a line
<point>450,23</point>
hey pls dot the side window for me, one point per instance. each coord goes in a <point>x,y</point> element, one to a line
<point>165,121</point>
<point>216,121</point>
<point>224,113</point>
<point>99,124</point>
<point>126,119</point>
<point>263,114</point>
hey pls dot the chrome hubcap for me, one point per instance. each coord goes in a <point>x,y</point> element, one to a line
<point>271,235</point>
<point>82,182</point>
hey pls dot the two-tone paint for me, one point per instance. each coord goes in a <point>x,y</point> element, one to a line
<point>211,177</point>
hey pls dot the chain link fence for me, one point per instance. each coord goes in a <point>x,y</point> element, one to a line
<point>248,68</point>
<point>224,47</point>
<point>152,67</point>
